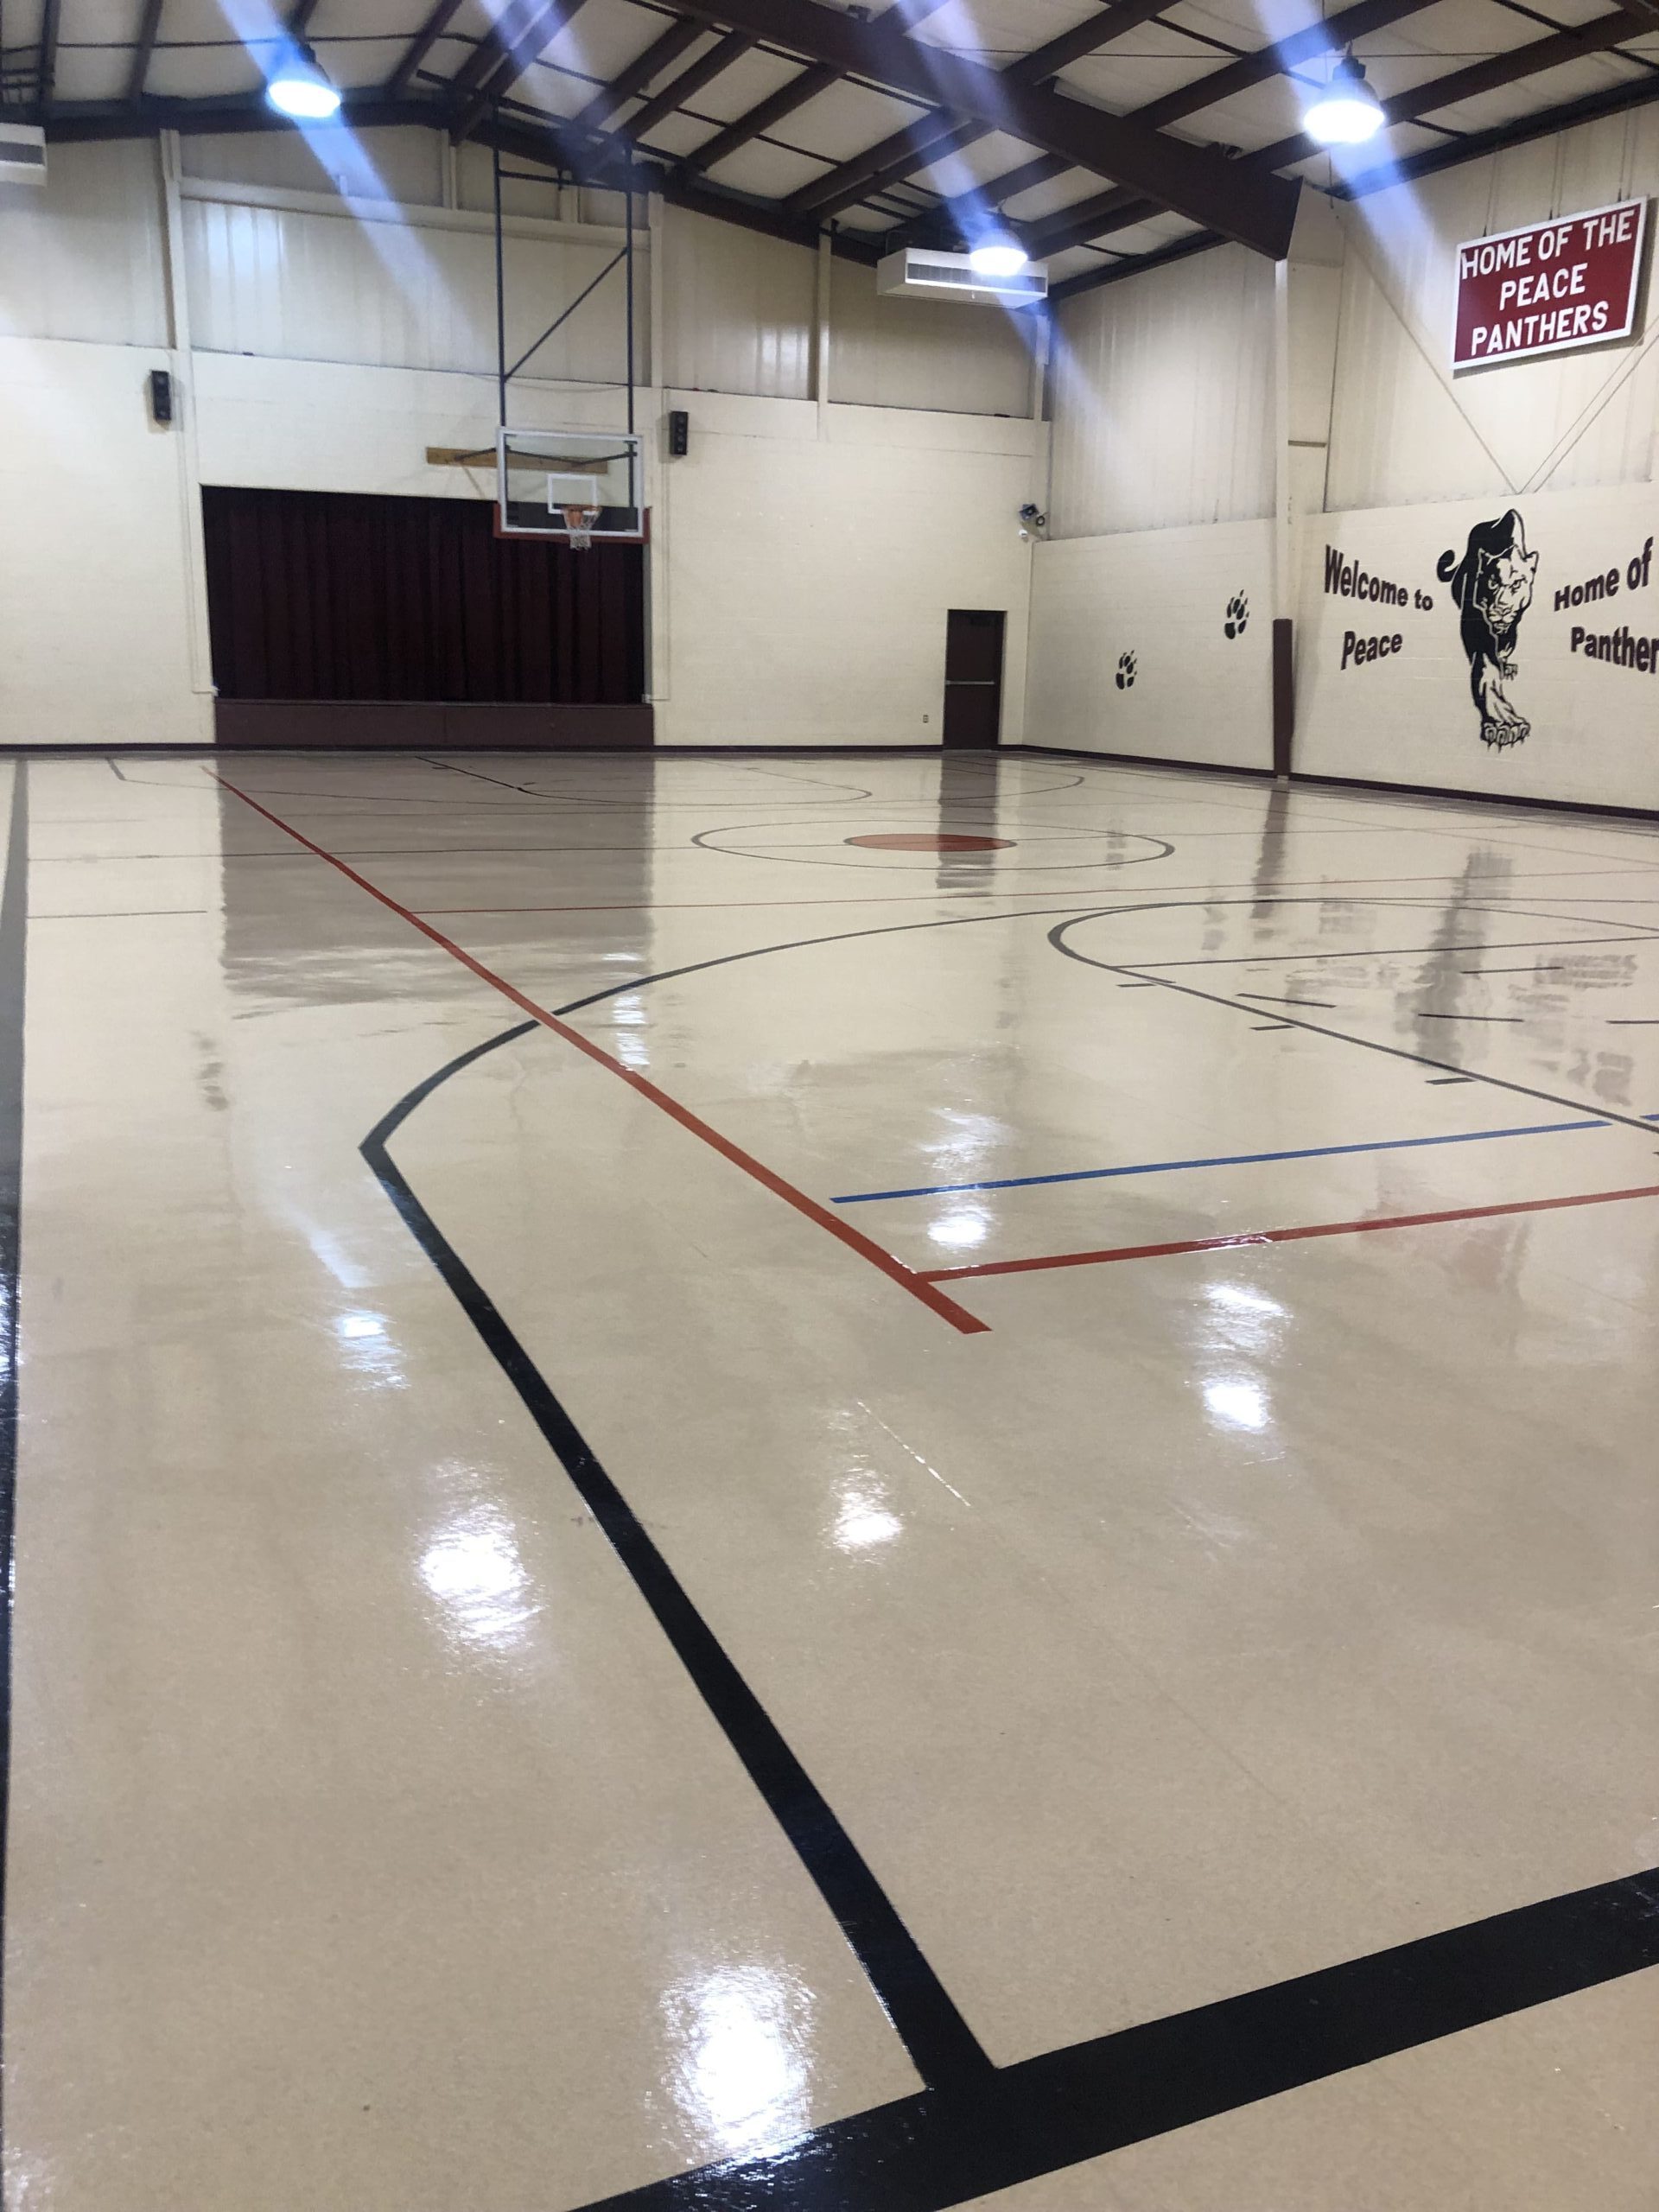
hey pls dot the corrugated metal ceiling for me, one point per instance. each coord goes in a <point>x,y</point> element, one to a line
<point>787,96</point>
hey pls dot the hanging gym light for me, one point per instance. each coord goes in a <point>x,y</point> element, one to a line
<point>997,253</point>
<point>299,89</point>
<point>1347,113</point>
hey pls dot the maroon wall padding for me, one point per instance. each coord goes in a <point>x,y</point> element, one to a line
<point>345,596</point>
<point>419,725</point>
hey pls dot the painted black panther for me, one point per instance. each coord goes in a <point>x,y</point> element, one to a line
<point>1491,586</point>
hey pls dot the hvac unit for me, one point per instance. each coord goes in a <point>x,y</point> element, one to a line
<point>23,154</point>
<point>919,273</point>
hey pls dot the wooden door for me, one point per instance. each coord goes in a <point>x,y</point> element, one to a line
<point>973,677</point>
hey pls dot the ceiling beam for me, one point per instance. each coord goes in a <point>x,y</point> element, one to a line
<point>1206,92</point>
<point>761,117</point>
<point>1280,60</point>
<point>231,115</point>
<point>1488,76</point>
<point>1134,264</point>
<point>607,160</point>
<point>1386,175</point>
<point>415,53</point>
<point>903,154</point>
<point>1096,217</point>
<point>492,49</point>
<point>536,30</point>
<point>661,53</point>
<point>1256,209</point>
<point>149,23</point>
<point>937,134</point>
<point>689,83</point>
<point>46,74</point>
<point>600,160</point>
<point>1523,131</point>
<point>1115,211</point>
<point>796,94</point>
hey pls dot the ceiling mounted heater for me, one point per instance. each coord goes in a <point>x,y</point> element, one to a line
<point>23,154</point>
<point>921,273</point>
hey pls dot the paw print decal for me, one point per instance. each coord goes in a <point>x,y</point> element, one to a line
<point>1125,670</point>
<point>1238,613</point>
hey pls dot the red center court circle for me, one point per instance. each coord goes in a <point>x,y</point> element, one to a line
<point>904,841</point>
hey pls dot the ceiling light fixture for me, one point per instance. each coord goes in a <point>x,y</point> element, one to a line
<point>998,253</point>
<point>300,89</point>
<point>1347,113</point>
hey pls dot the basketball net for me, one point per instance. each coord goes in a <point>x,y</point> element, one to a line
<point>580,521</point>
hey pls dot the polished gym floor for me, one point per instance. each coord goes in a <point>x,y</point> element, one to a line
<point>853,1483</point>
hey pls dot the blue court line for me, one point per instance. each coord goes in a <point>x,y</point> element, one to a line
<point>1224,1160</point>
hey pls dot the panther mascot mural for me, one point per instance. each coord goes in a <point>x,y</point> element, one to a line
<point>1491,586</point>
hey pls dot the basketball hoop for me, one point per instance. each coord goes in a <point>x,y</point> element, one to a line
<point>580,522</point>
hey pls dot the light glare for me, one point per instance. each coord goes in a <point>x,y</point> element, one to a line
<point>301,91</point>
<point>998,257</point>
<point>1348,112</point>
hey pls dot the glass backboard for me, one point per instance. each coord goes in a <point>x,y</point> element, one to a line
<point>564,483</point>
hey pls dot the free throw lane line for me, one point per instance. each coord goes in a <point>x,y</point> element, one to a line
<point>920,1287</point>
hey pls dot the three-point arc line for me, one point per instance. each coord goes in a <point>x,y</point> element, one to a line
<point>922,1284</point>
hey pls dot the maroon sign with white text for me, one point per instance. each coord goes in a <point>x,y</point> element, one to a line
<point>1569,282</point>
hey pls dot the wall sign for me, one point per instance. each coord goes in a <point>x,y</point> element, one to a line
<point>1550,286</point>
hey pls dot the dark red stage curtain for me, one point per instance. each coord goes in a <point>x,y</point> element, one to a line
<point>347,595</point>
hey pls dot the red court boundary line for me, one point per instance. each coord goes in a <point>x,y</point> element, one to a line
<point>920,1287</point>
<point>1282,1236</point>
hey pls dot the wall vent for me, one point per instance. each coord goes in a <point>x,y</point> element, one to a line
<point>23,154</point>
<point>922,273</point>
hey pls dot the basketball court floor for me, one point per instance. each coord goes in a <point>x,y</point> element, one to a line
<point>818,1482</point>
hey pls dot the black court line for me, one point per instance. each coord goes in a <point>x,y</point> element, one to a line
<point>14,953</point>
<point>477,774</point>
<point>977,2128</point>
<point>1277,998</point>
<point>1057,937</point>
<point>1431,952</point>
<point>941,2045</point>
<point>1420,1014</point>
<point>927,2152</point>
<point>931,863</point>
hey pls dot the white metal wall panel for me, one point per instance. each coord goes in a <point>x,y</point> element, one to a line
<point>1130,651</point>
<point>739,309</point>
<point>388,164</point>
<point>1163,399</point>
<point>84,257</point>
<point>937,354</point>
<point>396,294</point>
<point>1404,428</point>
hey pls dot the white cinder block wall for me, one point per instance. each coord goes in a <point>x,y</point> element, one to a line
<point>1166,469</point>
<point>326,327</point>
